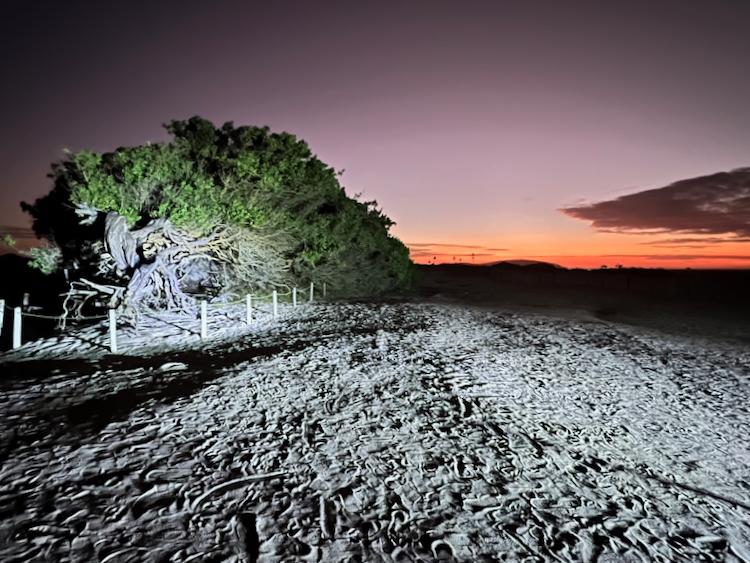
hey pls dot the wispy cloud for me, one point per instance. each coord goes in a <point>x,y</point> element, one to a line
<point>697,257</point>
<point>444,248</point>
<point>426,254</point>
<point>694,242</point>
<point>448,245</point>
<point>718,204</point>
<point>448,252</point>
<point>679,256</point>
<point>19,233</point>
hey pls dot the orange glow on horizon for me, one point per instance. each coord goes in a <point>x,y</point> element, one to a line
<point>596,262</point>
<point>590,252</point>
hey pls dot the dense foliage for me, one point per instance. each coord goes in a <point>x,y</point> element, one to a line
<point>266,186</point>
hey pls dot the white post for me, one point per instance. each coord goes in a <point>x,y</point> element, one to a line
<point>294,297</point>
<point>248,309</point>
<point>16,327</point>
<point>112,331</point>
<point>312,291</point>
<point>324,290</point>
<point>204,320</point>
<point>275,304</point>
<point>2,314</point>
<point>25,301</point>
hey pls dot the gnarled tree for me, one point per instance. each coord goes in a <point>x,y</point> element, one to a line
<point>217,212</point>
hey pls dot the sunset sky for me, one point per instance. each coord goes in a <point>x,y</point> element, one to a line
<point>584,133</point>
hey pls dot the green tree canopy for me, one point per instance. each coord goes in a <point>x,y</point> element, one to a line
<point>263,188</point>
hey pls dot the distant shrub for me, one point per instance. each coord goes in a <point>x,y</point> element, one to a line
<point>46,259</point>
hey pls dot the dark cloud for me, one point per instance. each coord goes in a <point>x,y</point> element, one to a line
<point>718,204</point>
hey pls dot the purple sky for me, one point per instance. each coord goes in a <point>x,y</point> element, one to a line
<point>472,123</point>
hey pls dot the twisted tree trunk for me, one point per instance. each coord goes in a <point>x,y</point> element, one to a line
<point>151,261</point>
<point>159,267</point>
<point>120,242</point>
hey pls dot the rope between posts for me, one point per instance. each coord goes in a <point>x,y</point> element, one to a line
<point>213,305</point>
<point>227,304</point>
<point>113,324</point>
<point>60,317</point>
<point>257,298</point>
<point>38,316</point>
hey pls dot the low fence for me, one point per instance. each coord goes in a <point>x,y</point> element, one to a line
<point>295,296</point>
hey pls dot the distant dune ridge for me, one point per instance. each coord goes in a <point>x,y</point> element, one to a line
<point>674,297</point>
<point>527,263</point>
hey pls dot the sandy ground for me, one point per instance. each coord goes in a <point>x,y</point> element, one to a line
<point>726,318</point>
<point>378,432</point>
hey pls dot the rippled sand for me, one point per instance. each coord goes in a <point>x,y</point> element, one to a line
<point>370,432</point>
